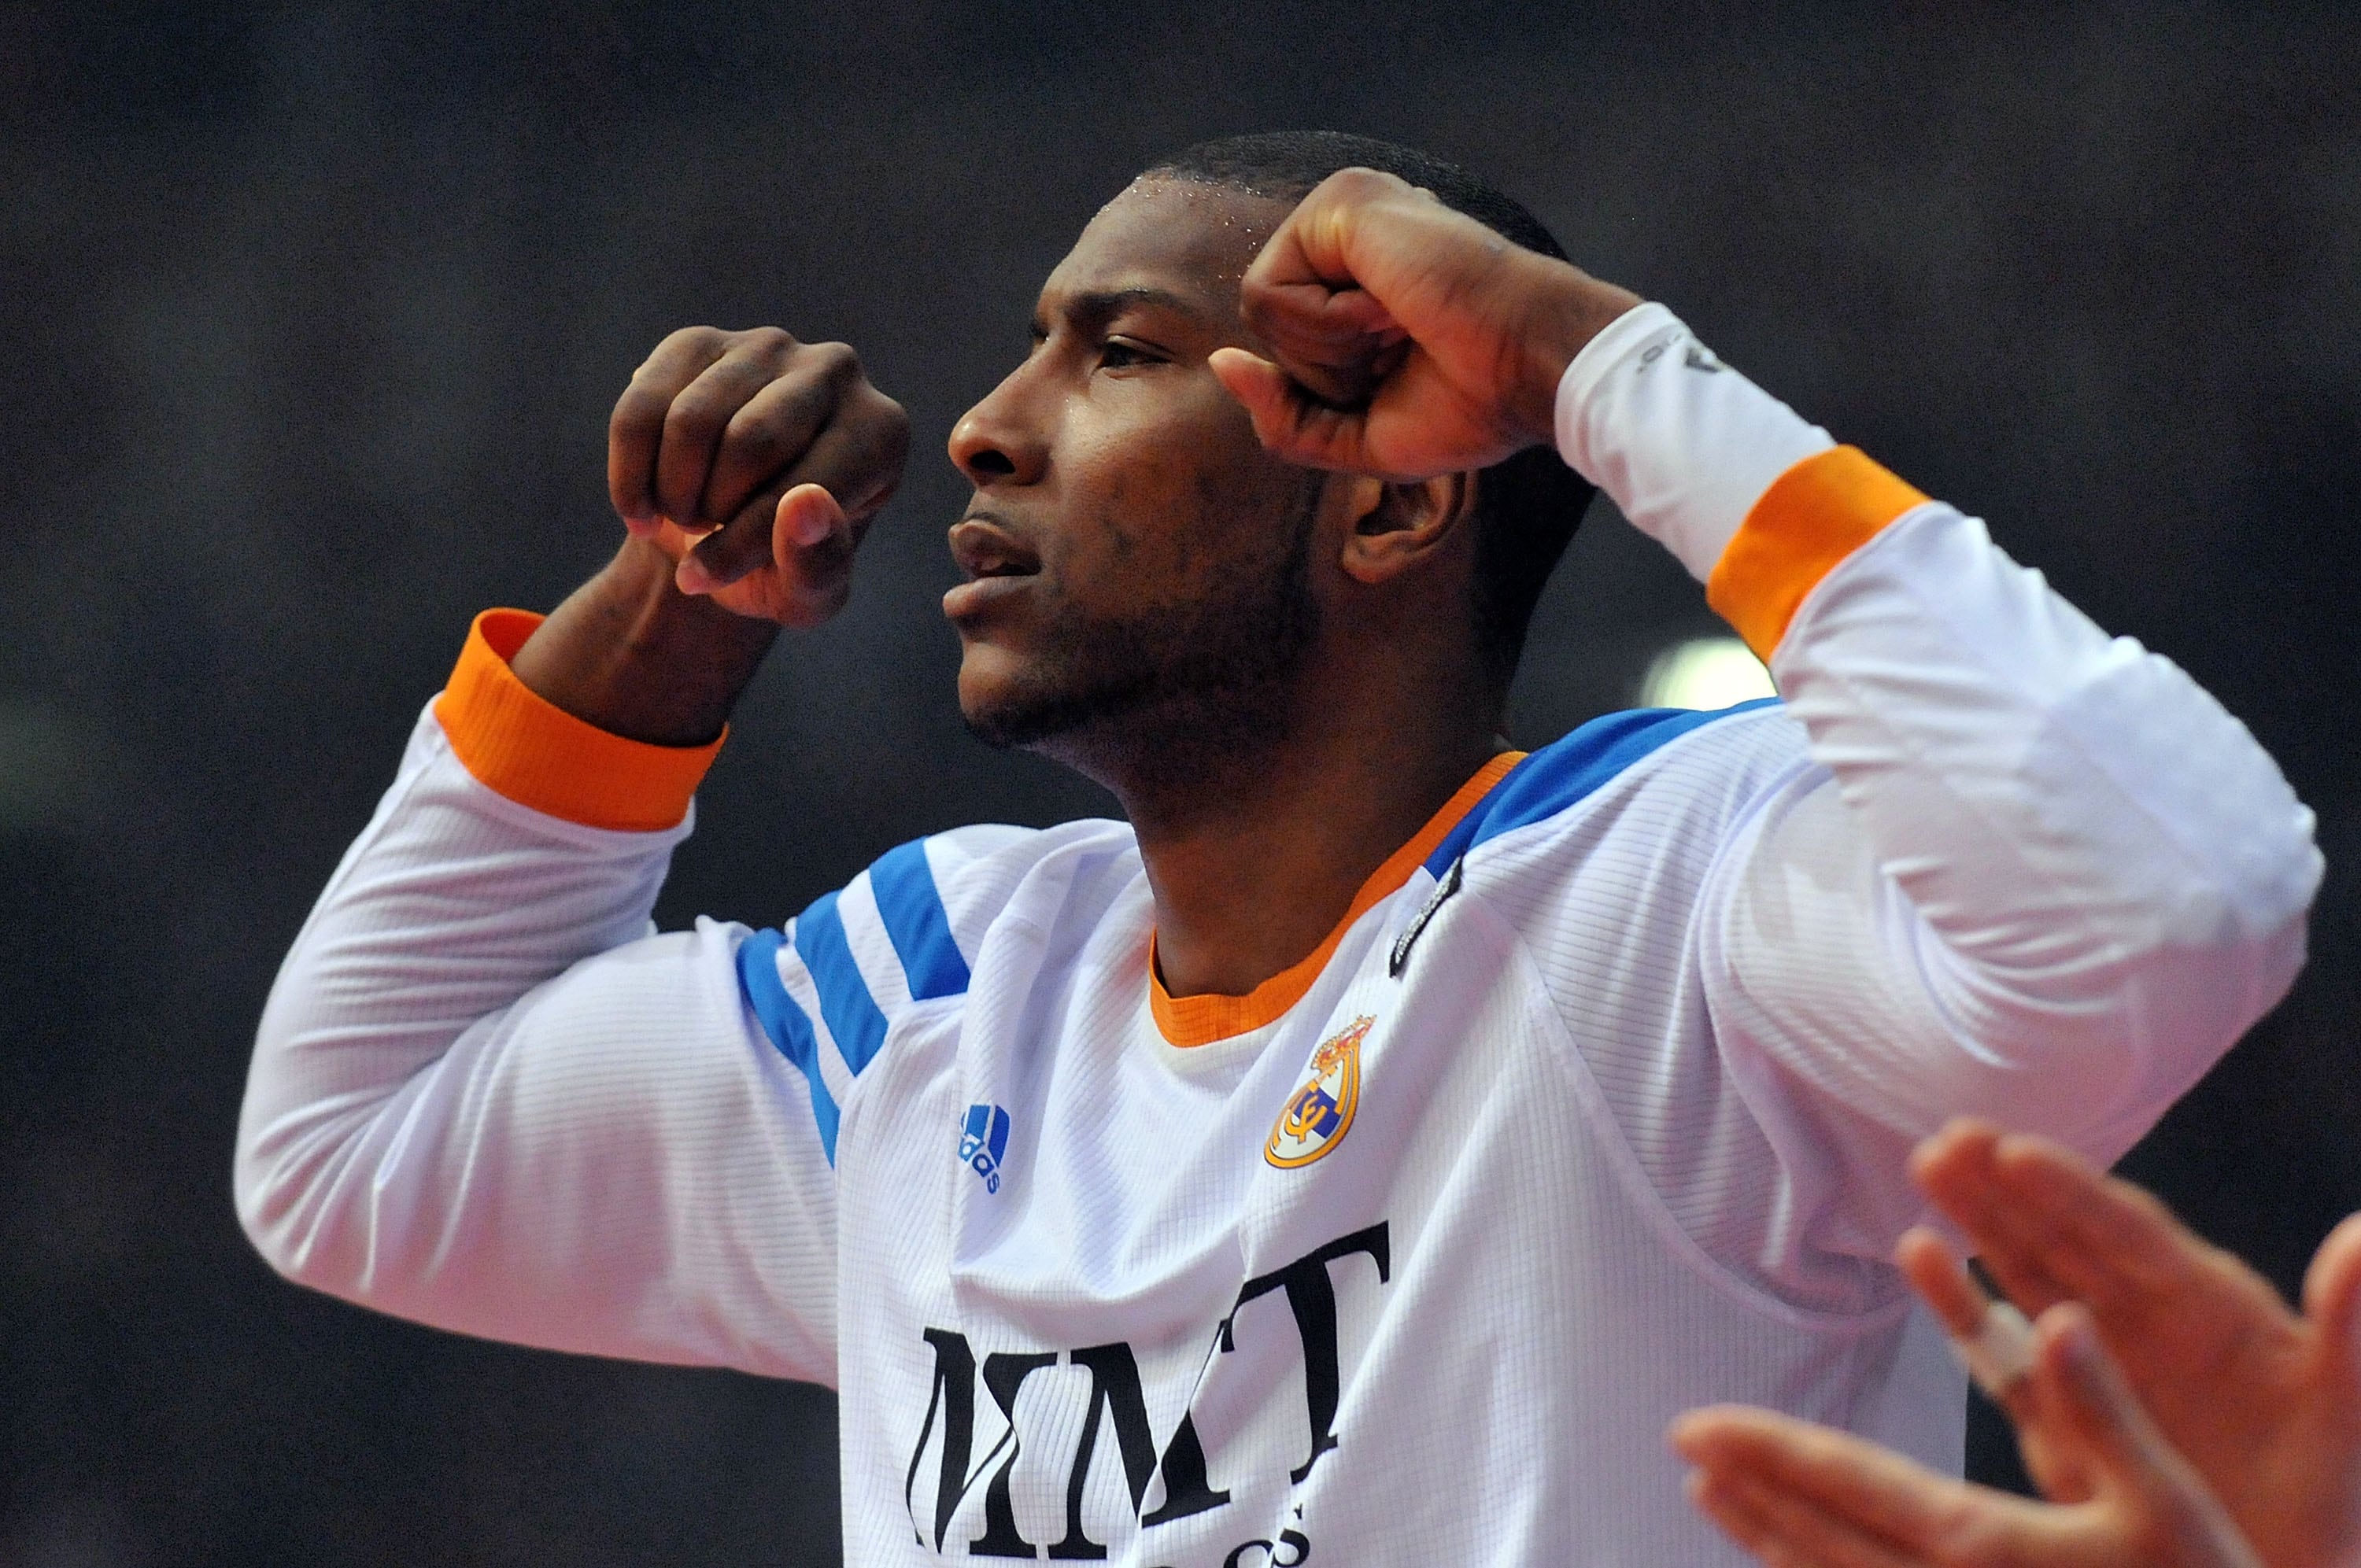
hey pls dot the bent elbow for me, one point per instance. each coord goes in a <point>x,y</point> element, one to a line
<point>291,1186</point>
<point>2272,893</point>
<point>2243,924</point>
<point>268,1195</point>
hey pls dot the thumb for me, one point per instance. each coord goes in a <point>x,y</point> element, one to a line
<point>801,519</point>
<point>1287,419</point>
<point>1262,386</point>
<point>808,515</point>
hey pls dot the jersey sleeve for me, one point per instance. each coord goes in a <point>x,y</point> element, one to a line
<point>2031,871</point>
<point>486,1096</point>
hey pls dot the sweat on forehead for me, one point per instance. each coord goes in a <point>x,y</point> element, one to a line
<point>1221,203</point>
<point>1173,227</point>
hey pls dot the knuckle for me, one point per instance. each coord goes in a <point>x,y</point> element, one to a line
<point>835,361</point>
<point>636,409</point>
<point>686,338</point>
<point>692,413</point>
<point>767,340</point>
<point>891,419</point>
<point>755,442</point>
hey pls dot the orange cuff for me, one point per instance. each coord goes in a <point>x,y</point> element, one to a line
<point>1813,515</point>
<point>527,748</point>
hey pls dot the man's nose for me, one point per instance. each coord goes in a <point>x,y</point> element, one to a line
<point>996,444</point>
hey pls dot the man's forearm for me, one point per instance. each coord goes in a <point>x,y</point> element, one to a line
<point>632,654</point>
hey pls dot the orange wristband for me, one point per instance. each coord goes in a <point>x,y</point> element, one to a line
<point>1813,515</point>
<point>525,747</point>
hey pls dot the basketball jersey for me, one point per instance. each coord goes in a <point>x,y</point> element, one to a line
<point>1594,1108</point>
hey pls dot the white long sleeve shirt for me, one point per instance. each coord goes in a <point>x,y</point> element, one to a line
<point>1594,1107</point>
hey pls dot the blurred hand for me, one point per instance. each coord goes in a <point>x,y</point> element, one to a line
<point>1795,1494</point>
<point>2265,1405</point>
<point>1407,340</point>
<point>755,463</point>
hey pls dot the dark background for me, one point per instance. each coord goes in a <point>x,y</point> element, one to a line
<point>309,324</point>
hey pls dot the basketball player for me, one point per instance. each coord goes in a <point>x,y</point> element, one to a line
<point>1370,1143</point>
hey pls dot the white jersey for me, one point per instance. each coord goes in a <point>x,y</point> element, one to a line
<point>1595,1108</point>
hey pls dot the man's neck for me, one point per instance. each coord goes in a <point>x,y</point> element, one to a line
<point>1256,861</point>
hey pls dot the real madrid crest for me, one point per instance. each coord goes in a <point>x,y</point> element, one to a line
<point>1320,1113</point>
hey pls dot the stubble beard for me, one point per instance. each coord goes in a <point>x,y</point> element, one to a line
<point>1176,695</point>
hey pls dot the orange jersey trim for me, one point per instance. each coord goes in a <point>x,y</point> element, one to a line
<point>525,747</point>
<point>1201,1020</point>
<point>1812,517</point>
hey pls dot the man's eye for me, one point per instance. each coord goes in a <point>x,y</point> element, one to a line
<point>1117,355</point>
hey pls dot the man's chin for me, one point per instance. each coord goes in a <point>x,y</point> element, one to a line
<point>1009,720</point>
<point>1008,706</point>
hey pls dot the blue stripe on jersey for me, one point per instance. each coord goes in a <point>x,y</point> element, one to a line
<point>789,1029</point>
<point>913,913</point>
<point>844,1000</point>
<point>1564,771</point>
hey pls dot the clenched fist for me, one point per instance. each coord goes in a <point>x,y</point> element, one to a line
<point>755,463</point>
<point>1406,339</point>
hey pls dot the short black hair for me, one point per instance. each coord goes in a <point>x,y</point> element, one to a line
<point>1528,506</point>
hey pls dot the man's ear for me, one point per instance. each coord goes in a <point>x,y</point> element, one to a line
<point>1397,526</point>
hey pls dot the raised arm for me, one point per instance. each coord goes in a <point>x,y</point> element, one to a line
<point>2029,870</point>
<point>2053,880</point>
<point>483,1095</point>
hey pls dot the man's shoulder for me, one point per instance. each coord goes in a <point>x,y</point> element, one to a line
<point>1664,762</point>
<point>961,881</point>
<point>909,927</point>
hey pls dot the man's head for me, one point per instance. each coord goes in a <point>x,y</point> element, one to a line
<point>1148,576</point>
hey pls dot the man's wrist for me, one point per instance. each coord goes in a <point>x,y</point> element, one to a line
<point>1566,308</point>
<point>630,653</point>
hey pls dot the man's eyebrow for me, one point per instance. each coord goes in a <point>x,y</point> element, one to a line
<point>1095,306</point>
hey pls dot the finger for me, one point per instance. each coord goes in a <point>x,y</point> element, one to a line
<point>1305,247</point>
<point>1288,421</point>
<point>635,429</point>
<point>812,539</point>
<point>692,426</point>
<point>2109,1236</point>
<point>773,428</point>
<point>1316,241</point>
<point>1744,1513</point>
<point>806,518</point>
<point>1741,1511</point>
<point>856,460</point>
<point>1959,1169</point>
<point>2120,1250</point>
<point>1962,1139</point>
<point>1330,342</point>
<point>1991,1338</point>
<point>2087,1403</point>
<point>1942,1282</point>
<point>1789,1530</point>
<point>2091,1400</point>
<point>2332,1300</point>
<point>812,544</point>
<point>1836,1472</point>
<point>1312,316</point>
<point>1808,1531</point>
<point>1729,1504</point>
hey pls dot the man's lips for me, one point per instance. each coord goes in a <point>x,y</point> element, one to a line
<point>985,546</point>
<point>996,559</point>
